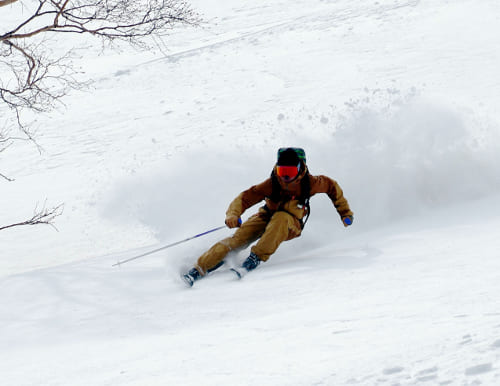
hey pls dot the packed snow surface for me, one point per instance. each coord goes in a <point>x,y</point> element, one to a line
<point>397,100</point>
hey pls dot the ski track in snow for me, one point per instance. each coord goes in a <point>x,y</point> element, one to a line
<point>395,99</point>
<point>314,21</point>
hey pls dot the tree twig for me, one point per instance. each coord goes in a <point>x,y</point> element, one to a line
<point>6,2</point>
<point>43,216</point>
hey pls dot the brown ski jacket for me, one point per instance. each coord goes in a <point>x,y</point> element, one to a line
<point>289,196</point>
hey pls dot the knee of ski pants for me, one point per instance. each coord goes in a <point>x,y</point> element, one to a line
<point>218,252</point>
<point>250,231</point>
<point>282,227</point>
<point>289,221</point>
<point>229,244</point>
<point>212,257</point>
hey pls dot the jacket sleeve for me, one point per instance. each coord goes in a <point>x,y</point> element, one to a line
<point>324,184</point>
<point>249,198</point>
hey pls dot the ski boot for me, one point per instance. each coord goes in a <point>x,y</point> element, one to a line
<point>251,262</point>
<point>194,274</point>
<point>190,277</point>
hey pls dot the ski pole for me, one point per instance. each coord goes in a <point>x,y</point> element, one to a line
<point>167,246</point>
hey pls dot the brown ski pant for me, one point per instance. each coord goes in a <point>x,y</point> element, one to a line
<point>271,232</point>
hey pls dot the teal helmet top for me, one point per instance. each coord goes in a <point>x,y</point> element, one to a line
<point>291,156</point>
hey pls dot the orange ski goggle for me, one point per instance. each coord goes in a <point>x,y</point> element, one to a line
<point>287,172</point>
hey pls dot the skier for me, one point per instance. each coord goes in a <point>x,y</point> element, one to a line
<point>286,194</point>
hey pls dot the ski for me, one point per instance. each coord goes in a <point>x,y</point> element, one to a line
<point>239,273</point>
<point>188,280</point>
<point>236,273</point>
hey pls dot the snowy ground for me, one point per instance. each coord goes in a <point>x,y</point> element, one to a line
<point>397,100</point>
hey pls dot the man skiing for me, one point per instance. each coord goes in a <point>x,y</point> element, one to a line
<point>286,194</point>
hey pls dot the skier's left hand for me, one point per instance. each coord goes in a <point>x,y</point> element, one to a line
<point>347,220</point>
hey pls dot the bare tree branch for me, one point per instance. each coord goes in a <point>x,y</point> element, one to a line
<point>5,177</point>
<point>6,2</point>
<point>43,216</point>
<point>36,81</point>
<point>33,80</point>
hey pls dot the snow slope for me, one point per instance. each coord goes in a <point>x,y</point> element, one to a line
<point>397,100</point>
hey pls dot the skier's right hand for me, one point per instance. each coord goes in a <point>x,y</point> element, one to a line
<point>233,221</point>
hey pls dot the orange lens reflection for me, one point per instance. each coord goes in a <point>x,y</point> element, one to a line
<point>287,171</point>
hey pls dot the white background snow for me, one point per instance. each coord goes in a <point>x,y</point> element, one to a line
<point>397,100</point>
